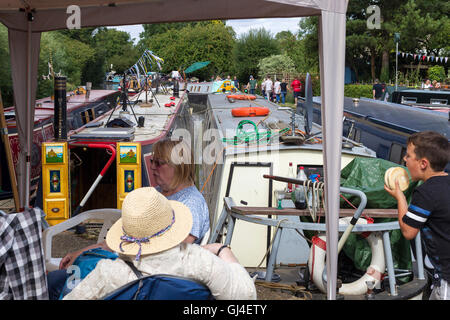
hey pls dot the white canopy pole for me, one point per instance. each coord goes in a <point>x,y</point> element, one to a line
<point>332,68</point>
<point>24,51</point>
<point>29,120</point>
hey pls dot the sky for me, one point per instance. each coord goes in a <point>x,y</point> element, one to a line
<point>240,26</point>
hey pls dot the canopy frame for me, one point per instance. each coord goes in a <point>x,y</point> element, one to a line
<point>27,19</point>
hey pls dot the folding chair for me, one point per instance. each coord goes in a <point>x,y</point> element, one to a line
<point>109,216</point>
<point>155,287</point>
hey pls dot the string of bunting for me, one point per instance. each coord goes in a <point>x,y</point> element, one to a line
<point>145,63</point>
<point>423,57</point>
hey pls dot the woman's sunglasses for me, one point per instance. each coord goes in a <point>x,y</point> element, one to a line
<point>157,162</point>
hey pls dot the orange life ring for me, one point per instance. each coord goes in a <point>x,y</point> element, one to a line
<point>250,112</point>
<point>241,96</point>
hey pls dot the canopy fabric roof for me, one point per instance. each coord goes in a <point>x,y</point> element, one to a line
<point>26,19</point>
<point>52,14</point>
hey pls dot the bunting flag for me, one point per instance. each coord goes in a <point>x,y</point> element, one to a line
<point>145,63</point>
<point>423,57</point>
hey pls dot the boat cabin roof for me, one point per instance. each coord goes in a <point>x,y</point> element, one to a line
<point>278,118</point>
<point>396,116</point>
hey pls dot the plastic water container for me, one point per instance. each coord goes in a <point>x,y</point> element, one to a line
<point>299,193</point>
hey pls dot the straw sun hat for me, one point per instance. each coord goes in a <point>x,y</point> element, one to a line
<point>150,223</point>
<point>396,173</point>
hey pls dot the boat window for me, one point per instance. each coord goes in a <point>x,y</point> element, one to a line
<point>357,135</point>
<point>383,151</point>
<point>87,115</point>
<point>439,101</point>
<point>101,109</point>
<point>72,123</point>
<point>409,99</point>
<point>396,153</point>
<point>352,132</point>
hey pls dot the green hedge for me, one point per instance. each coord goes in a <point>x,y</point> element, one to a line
<point>358,90</point>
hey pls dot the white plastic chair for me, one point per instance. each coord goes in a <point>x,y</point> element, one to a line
<point>205,237</point>
<point>109,216</point>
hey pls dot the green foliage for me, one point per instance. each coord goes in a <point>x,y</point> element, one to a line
<point>116,47</point>
<point>384,74</point>
<point>305,51</point>
<point>250,48</point>
<point>358,90</point>
<point>67,56</point>
<point>413,77</point>
<point>5,67</point>
<point>280,63</point>
<point>151,30</point>
<point>200,42</point>
<point>436,73</point>
<point>424,26</point>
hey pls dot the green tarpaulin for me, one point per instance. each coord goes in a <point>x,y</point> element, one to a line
<point>367,175</point>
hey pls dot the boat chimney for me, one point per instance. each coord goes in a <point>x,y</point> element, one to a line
<point>124,93</point>
<point>176,89</point>
<point>88,89</point>
<point>60,109</point>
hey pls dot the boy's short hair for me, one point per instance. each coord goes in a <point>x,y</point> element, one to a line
<point>433,146</point>
<point>177,154</point>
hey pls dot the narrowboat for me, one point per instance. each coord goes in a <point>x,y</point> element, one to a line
<point>385,126</point>
<point>82,108</point>
<point>243,172</point>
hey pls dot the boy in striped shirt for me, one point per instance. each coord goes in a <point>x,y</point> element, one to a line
<point>426,157</point>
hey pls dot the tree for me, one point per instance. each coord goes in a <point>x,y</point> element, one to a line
<point>286,41</point>
<point>436,73</point>
<point>274,64</point>
<point>157,28</point>
<point>5,65</point>
<point>360,50</point>
<point>423,24</point>
<point>381,39</point>
<point>250,48</point>
<point>305,53</point>
<point>67,56</point>
<point>116,48</point>
<point>211,41</point>
<point>423,29</point>
<point>84,35</point>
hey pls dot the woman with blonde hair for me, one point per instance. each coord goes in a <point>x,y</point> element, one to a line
<point>173,173</point>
